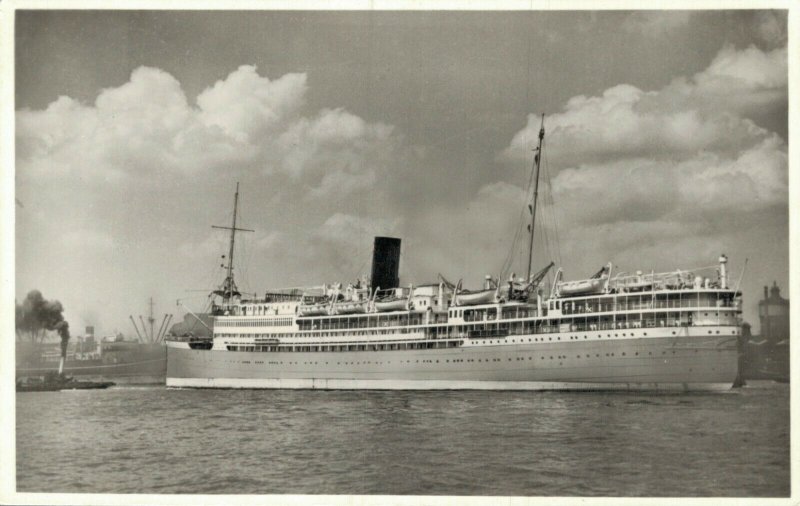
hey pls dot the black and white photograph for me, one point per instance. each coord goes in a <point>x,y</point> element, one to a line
<point>402,253</point>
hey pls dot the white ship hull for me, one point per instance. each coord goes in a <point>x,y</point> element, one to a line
<point>705,361</point>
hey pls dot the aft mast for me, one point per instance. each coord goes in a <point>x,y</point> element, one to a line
<point>228,289</point>
<point>537,160</point>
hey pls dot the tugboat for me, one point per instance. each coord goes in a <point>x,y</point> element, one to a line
<point>54,382</point>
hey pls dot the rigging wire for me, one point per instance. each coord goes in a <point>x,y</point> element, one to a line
<point>360,269</point>
<point>553,213</point>
<point>244,257</point>
<point>516,246</point>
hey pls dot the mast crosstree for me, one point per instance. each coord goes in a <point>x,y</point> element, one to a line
<point>228,288</point>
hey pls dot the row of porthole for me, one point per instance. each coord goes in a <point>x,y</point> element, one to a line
<point>599,336</point>
<point>536,339</point>
<point>558,357</point>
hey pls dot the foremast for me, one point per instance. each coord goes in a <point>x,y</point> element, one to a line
<point>228,289</point>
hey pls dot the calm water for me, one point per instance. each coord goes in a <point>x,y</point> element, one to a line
<point>154,440</point>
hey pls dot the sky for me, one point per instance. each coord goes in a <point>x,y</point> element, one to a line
<point>666,145</point>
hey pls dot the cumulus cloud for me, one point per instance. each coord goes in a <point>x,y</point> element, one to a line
<point>657,169</point>
<point>244,121</point>
<point>707,112</point>
<point>246,105</point>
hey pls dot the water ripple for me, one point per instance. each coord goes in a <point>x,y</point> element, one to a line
<point>157,440</point>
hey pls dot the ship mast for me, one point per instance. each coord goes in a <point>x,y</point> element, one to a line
<point>229,286</point>
<point>537,160</point>
<point>151,319</point>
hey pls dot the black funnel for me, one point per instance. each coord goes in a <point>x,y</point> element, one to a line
<point>385,263</point>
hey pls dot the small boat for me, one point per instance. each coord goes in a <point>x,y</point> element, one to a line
<point>394,299</point>
<point>594,285</point>
<point>313,309</point>
<point>392,304</point>
<point>465,298</point>
<point>582,287</point>
<point>350,307</point>
<point>54,382</point>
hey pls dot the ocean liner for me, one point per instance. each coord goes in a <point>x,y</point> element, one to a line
<point>672,331</point>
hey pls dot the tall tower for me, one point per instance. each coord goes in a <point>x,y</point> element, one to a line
<point>773,312</point>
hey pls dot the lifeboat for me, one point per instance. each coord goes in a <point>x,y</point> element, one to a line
<point>393,299</point>
<point>465,298</point>
<point>350,307</point>
<point>392,304</point>
<point>319,309</point>
<point>582,287</point>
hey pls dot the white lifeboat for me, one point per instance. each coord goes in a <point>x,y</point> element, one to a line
<point>465,298</point>
<point>393,300</point>
<point>318,309</point>
<point>582,287</point>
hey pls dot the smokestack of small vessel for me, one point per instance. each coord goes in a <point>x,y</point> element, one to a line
<point>63,331</point>
<point>385,263</point>
<point>723,272</point>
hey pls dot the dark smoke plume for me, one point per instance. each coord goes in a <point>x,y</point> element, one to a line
<point>36,315</point>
